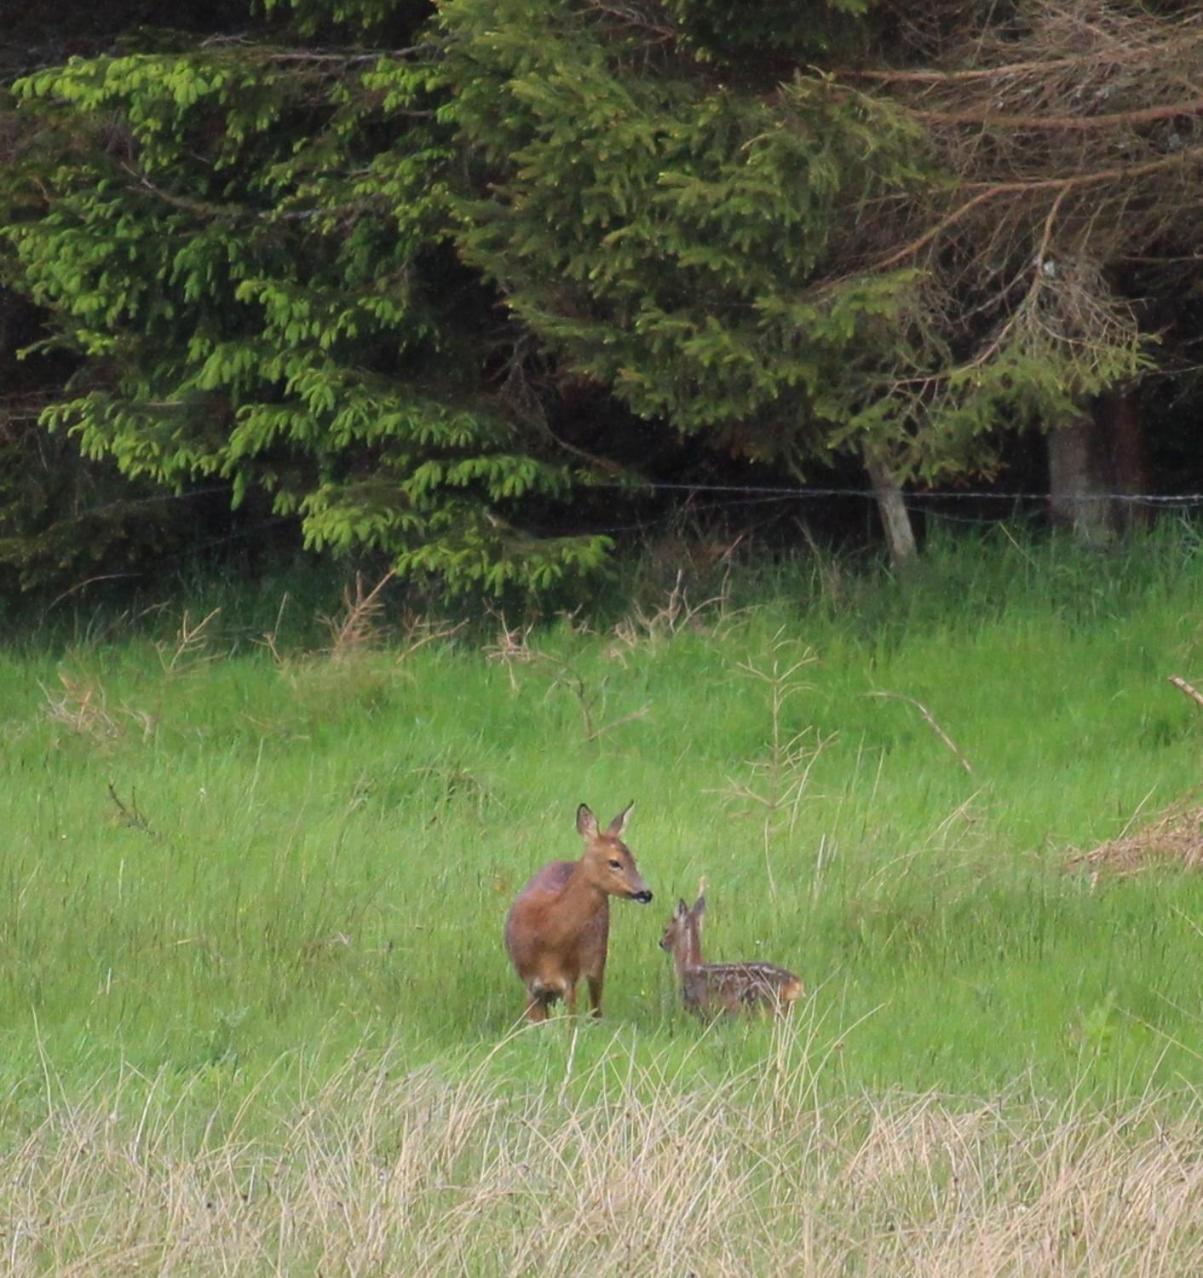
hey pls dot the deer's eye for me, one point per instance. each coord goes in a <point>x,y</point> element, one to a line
<point>616,865</point>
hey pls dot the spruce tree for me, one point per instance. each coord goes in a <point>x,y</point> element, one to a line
<point>244,238</point>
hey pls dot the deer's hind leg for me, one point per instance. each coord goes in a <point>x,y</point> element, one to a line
<point>540,1000</point>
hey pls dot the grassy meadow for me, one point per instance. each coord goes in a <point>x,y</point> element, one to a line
<point>255,1014</point>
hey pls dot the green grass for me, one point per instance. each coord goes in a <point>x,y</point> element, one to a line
<point>234,877</point>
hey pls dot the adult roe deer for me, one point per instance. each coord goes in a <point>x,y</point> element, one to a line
<point>730,987</point>
<point>557,928</point>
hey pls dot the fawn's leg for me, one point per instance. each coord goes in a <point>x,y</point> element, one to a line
<point>595,993</point>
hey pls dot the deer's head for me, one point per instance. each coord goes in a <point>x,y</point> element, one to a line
<point>683,933</point>
<point>609,863</point>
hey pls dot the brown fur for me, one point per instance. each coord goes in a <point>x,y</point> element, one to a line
<point>558,928</point>
<point>707,988</point>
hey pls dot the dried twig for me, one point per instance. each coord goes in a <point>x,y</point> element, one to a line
<point>130,814</point>
<point>778,781</point>
<point>673,616</point>
<point>1173,839</point>
<point>81,707</point>
<point>592,734</point>
<point>512,648</point>
<point>1187,689</point>
<point>271,638</point>
<point>359,626</point>
<point>1064,123</point>
<point>1178,42</point>
<point>190,643</point>
<point>930,719</point>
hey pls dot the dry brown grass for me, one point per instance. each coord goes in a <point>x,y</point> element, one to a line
<point>81,706</point>
<point>512,648</point>
<point>366,657</point>
<point>1174,840</point>
<point>658,625</point>
<point>626,1170</point>
<point>189,649</point>
<point>358,626</point>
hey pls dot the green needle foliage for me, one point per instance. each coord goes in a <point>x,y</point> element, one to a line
<point>656,209</point>
<point>353,257</point>
<point>702,211</point>
<point>247,244</point>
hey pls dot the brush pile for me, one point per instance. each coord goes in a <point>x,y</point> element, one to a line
<point>1173,840</point>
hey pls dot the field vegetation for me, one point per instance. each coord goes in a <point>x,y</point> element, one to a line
<point>255,1015</point>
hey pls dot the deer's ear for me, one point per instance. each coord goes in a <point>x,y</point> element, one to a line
<point>699,906</point>
<point>618,826</point>
<point>586,822</point>
<point>681,911</point>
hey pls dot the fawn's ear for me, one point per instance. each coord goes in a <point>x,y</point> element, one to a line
<point>618,826</point>
<point>681,911</point>
<point>586,822</point>
<point>699,907</point>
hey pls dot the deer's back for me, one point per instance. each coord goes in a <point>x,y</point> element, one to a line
<point>532,929</point>
<point>551,878</point>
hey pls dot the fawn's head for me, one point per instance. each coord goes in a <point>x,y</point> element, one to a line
<point>683,933</point>
<point>609,863</point>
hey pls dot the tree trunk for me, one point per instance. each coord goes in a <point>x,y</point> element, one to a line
<point>900,536</point>
<point>1076,481</point>
<point>1118,416</point>
<point>1095,462</point>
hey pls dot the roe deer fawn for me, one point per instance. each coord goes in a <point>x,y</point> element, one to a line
<point>557,928</point>
<point>707,988</point>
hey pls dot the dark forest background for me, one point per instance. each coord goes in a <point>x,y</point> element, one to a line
<point>493,293</point>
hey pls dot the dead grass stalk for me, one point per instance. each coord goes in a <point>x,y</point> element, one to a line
<point>625,1169</point>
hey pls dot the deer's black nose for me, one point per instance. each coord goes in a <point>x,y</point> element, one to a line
<point>645,896</point>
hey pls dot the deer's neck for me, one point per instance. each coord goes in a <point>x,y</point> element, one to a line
<point>580,901</point>
<point>688,952</point>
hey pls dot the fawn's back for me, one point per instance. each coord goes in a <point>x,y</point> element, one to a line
<point>739,987</point>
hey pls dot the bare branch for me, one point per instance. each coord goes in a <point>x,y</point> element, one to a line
<point>1042,67</point>
<point>1063,123</point>
<point>1028,186</point>
<point>930,720</point>
<point>1187,689</point>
